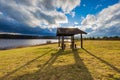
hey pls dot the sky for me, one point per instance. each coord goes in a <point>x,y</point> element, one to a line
<point>43,17</point>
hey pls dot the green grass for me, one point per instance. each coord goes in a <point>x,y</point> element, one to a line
<point>99,60</point>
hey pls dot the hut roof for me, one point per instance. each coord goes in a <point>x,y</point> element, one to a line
<point>69,31</point>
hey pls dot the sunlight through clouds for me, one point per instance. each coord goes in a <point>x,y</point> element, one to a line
<point>38,12</point>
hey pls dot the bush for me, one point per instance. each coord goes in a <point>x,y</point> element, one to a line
<point>48,42</point>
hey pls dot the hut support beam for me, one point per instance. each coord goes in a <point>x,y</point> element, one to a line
<point>62,44</point>
<point>72,42</point>
<point>58,41</point>
<point>81,41</point>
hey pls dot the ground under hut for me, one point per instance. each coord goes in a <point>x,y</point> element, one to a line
<point>62,32</point>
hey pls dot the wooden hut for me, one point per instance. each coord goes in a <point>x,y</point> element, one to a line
<point>62,32</point>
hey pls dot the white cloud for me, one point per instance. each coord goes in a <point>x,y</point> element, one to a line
<point>9,33</point>
<point>99,5</point>
<point>105,22</point>
<point>72,14</point>
<point>67,5</point>
<point>1,13</point>
<point>38,12</point>
<point>88,20</point>
<point>75,23</point>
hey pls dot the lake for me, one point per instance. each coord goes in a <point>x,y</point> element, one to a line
<point>12,43</point>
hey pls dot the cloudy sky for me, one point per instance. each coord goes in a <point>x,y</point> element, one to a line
<point>42,17</point>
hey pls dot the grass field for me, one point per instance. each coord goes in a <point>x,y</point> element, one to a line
<point>99,60</point>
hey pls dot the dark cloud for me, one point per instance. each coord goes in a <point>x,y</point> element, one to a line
<point>7,26</point>
<point>39,17</point>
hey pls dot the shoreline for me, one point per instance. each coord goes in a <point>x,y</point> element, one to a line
<point>27,46</point>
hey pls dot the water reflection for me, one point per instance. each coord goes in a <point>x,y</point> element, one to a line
<point>12,43</point>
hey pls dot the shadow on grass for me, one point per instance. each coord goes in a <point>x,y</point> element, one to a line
<point>49,63</point>
<point>80,64</point>
<point>45,67</point>
<point>12,72</point>
<point>112,66</point>
<point>50,71</point>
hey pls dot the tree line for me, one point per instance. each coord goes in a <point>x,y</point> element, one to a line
<point>103,38</point>
<point>11,36</point>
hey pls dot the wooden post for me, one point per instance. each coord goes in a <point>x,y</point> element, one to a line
<point>62,44</point>
<point>72,42</point>
<point>81,41</point>
<point>58,41</point>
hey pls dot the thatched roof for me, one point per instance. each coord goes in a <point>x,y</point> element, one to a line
<point>69,31</point>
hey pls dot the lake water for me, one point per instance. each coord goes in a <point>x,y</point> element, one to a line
<point>12,43</point>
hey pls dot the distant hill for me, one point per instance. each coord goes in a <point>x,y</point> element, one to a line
<point>17,36</point>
